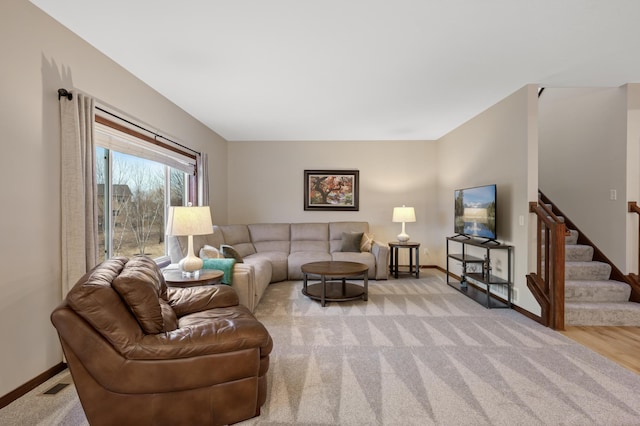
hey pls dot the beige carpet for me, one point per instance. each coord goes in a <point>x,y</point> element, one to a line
<point>417,353</point>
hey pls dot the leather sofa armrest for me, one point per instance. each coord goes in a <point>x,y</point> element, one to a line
<point>381,252</point>
<point>187,300</point>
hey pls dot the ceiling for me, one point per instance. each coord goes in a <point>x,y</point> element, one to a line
<point>356,69</point>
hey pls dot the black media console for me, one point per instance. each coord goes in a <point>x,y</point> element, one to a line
<point>478,270</point>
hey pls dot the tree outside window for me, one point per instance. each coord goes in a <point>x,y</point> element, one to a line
<point>136,192</point>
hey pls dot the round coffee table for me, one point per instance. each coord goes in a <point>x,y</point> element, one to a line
<point>335,289</point>
<point>174,278</point>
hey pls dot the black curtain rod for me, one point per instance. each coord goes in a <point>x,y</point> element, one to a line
<point>66,94</point>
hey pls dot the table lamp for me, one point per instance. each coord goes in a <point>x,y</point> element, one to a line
<point>189,221</point>
<point>403,214</point>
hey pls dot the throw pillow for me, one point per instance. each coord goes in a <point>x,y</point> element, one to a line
<point>351,241</point>
<point>366,242</point>
<point>210,252</point>
<point>230,253</point>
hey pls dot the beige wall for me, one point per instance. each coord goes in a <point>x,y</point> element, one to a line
<point>583,156</point>
<point>266,184</point>
<point>497,146</point>
<point>40,56</point>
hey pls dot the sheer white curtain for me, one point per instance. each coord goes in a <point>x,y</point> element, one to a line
<point>78,189</point>
<point>203,179</point>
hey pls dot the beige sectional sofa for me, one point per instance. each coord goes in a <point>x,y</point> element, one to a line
<point>273,252</point>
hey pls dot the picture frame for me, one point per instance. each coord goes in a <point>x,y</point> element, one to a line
<point>332,190</point>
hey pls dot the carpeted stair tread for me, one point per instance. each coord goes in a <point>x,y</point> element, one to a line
<point>596,291</point>
<point>589,271</point>
<point>572,238</point>
<point>575,253</point>
<point>578,253</point>
<point>602,314</point>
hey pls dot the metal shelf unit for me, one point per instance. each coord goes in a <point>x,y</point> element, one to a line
<point>485,276</point>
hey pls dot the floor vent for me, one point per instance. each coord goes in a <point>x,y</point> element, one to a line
<point>55,389</point>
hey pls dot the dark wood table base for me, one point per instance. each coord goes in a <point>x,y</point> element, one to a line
<point>335,290</point>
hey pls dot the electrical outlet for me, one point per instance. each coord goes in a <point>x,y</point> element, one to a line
<point>613,195</point>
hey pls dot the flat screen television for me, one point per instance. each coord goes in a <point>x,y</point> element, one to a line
<point>475,212</point>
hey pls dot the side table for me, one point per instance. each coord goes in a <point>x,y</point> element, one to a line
<point>174,278</point>
<point>414,251</point>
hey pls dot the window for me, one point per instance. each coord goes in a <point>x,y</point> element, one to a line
<point>137,182</point>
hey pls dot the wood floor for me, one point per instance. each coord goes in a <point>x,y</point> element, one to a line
<point>619,344</point>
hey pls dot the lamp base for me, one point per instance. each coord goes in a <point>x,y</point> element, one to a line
<point>190,265</point>
<point>193,274</point>
<point>403,237</point>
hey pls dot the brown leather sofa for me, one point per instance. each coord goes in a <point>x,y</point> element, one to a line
<point>141,353</point>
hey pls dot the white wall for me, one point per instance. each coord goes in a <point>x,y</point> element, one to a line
<point>497,146</point>
<point>266,184</point>
<point>41,56</point>
<point>583,156</point>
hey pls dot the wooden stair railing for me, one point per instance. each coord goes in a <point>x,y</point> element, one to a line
<point>547,283</point>
<point>634,279</point>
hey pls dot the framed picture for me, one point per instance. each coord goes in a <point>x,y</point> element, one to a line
<point>331,190</point>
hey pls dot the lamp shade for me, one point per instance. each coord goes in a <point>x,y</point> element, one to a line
<point>403,214</point>
<point>189,221</point>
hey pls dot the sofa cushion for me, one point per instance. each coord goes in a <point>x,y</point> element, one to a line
<point>238,237</point>
<point>362,257</point>
<point>229,252</point>
<point>97,302</point>
<point>270,237</point>
<point>297,259</point>
<point>169,316</point>
<point>278,262</point>
<point>351,241</point>
<point>187,300</point>
<point>309,237</point>
<point>142,285</point>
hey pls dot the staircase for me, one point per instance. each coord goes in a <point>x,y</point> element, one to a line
<point>591,297</point>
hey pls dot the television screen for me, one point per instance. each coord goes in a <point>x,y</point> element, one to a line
<point>475,211</point>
